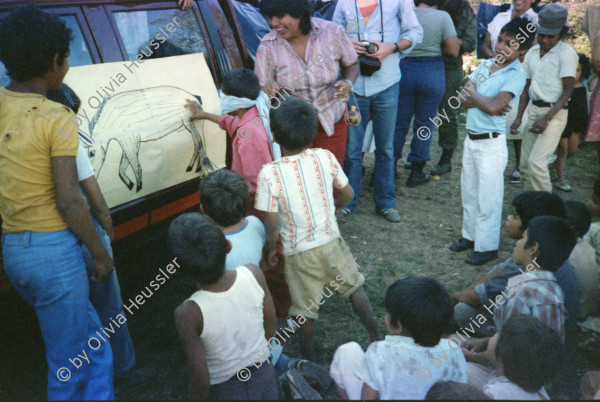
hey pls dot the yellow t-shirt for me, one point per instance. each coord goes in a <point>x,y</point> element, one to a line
<point>33,129</point>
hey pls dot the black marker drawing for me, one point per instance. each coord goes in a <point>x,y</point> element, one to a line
<point>125,117</point>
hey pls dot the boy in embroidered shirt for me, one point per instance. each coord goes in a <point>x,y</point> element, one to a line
<point>246,125</point>
<point>413,356</point>
<point>487,95</point>
<point>296,193</point>
<point>551,66</point>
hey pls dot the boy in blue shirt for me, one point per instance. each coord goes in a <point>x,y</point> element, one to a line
<point>487,94</point>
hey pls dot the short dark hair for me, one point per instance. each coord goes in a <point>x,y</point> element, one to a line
<point>224,197</point>
<point>579,216</point>
<point>518,26</point>
<point>537,203</point>
<point>29,39</point>
<point>555,240</point>
<point>586,65</point>
<point>65,96</point>
<point>294,8</point>
<point>242,83</point>
<point>530,351</point>
<point>294,123</point>
<point>200,245</point>
<point>452,390</point>
<point>422,306</point>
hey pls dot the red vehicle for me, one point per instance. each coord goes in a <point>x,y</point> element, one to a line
<point>112,31</point>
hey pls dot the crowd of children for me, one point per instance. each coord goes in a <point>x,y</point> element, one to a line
<point>266,244</point>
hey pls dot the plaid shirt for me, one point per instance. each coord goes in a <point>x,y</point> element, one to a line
<point>536,294</point>
<point>329,49</point>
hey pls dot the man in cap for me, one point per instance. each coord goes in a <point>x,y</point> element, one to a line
<point>550,67</point>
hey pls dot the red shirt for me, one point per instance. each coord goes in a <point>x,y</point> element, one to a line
<point>249,143</point>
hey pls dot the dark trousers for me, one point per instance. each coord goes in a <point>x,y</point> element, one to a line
<point>262,384</point>
<point>421,91</point>
<point>449,129</point>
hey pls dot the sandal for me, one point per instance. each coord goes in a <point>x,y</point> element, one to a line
<point>343,212</point>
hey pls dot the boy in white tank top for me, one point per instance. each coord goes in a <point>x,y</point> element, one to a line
<point>226,323</point>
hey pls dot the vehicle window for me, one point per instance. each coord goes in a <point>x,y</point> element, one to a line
<point>80,53</point>
<point>160,33</point>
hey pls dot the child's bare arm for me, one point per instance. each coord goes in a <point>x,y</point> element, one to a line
<point>272,231</point>
<point>75,213</point>
<point>199,113</point>
<point>492,105</point>
<point>270,319</point>
<point>346,195</point>
<point>98,204</point>
<point>189,322</point>
<point>468,296</point>
<point>368,393</point>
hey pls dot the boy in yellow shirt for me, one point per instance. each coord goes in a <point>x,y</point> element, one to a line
<point>43,213</point>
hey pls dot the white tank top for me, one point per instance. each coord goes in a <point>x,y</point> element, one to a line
<point>233,333</point>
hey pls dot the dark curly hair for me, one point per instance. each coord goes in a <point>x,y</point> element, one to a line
<point>29,39</point>
<point>294,8</point>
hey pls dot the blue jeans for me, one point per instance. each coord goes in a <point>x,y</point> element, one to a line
<point>106,299</point>
<point>47,270</point>
<point>381,108</point>
<point>421,90</point>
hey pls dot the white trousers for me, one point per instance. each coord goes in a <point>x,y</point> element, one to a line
<point>482,190</point>
<point>345,362</point>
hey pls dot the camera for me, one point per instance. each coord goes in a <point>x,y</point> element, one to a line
<point>370,47</point>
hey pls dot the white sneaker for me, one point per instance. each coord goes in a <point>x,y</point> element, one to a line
<point>552,158</point>
<point>563,186</point>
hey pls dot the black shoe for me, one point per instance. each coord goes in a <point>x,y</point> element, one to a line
<point>417,176</point>
<point>462,244</point>
<point>445,164</point>
<point>481,257</point>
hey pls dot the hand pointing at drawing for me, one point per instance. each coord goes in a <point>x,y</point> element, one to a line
<point>198,113</point>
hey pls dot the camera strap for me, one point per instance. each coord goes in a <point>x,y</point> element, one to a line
<point>380,19</point>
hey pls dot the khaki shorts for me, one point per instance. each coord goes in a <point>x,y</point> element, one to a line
<point>330,266</point>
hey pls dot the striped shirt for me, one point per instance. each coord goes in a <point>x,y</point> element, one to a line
<point>300,189</point>
<point>328,50</point>
<point>536,294</point>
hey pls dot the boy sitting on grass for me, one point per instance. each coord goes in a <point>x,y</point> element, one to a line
<point>527,355</point>
<point>412,357</point>
<point>472,301</point>
<point>545,246</point>
<point>296,192</point>
<point>240,117</point>
<point>226,323</point>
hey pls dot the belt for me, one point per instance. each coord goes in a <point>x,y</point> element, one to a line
<point>473,135</point>
<point>539,103</point>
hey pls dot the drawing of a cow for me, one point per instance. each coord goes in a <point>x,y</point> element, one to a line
<point>125,117</point>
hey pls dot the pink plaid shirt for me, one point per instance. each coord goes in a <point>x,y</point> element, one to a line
<point>536,294</point>
<point>328,49</point>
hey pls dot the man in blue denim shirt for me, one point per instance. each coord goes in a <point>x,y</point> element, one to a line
<point>376,96</point>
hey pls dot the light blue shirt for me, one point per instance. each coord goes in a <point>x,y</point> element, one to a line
<point>511,79</point>
<point>247,243</point>
<point>399,22</point>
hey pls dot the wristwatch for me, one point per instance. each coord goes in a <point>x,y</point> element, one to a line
<point>396,48</point>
